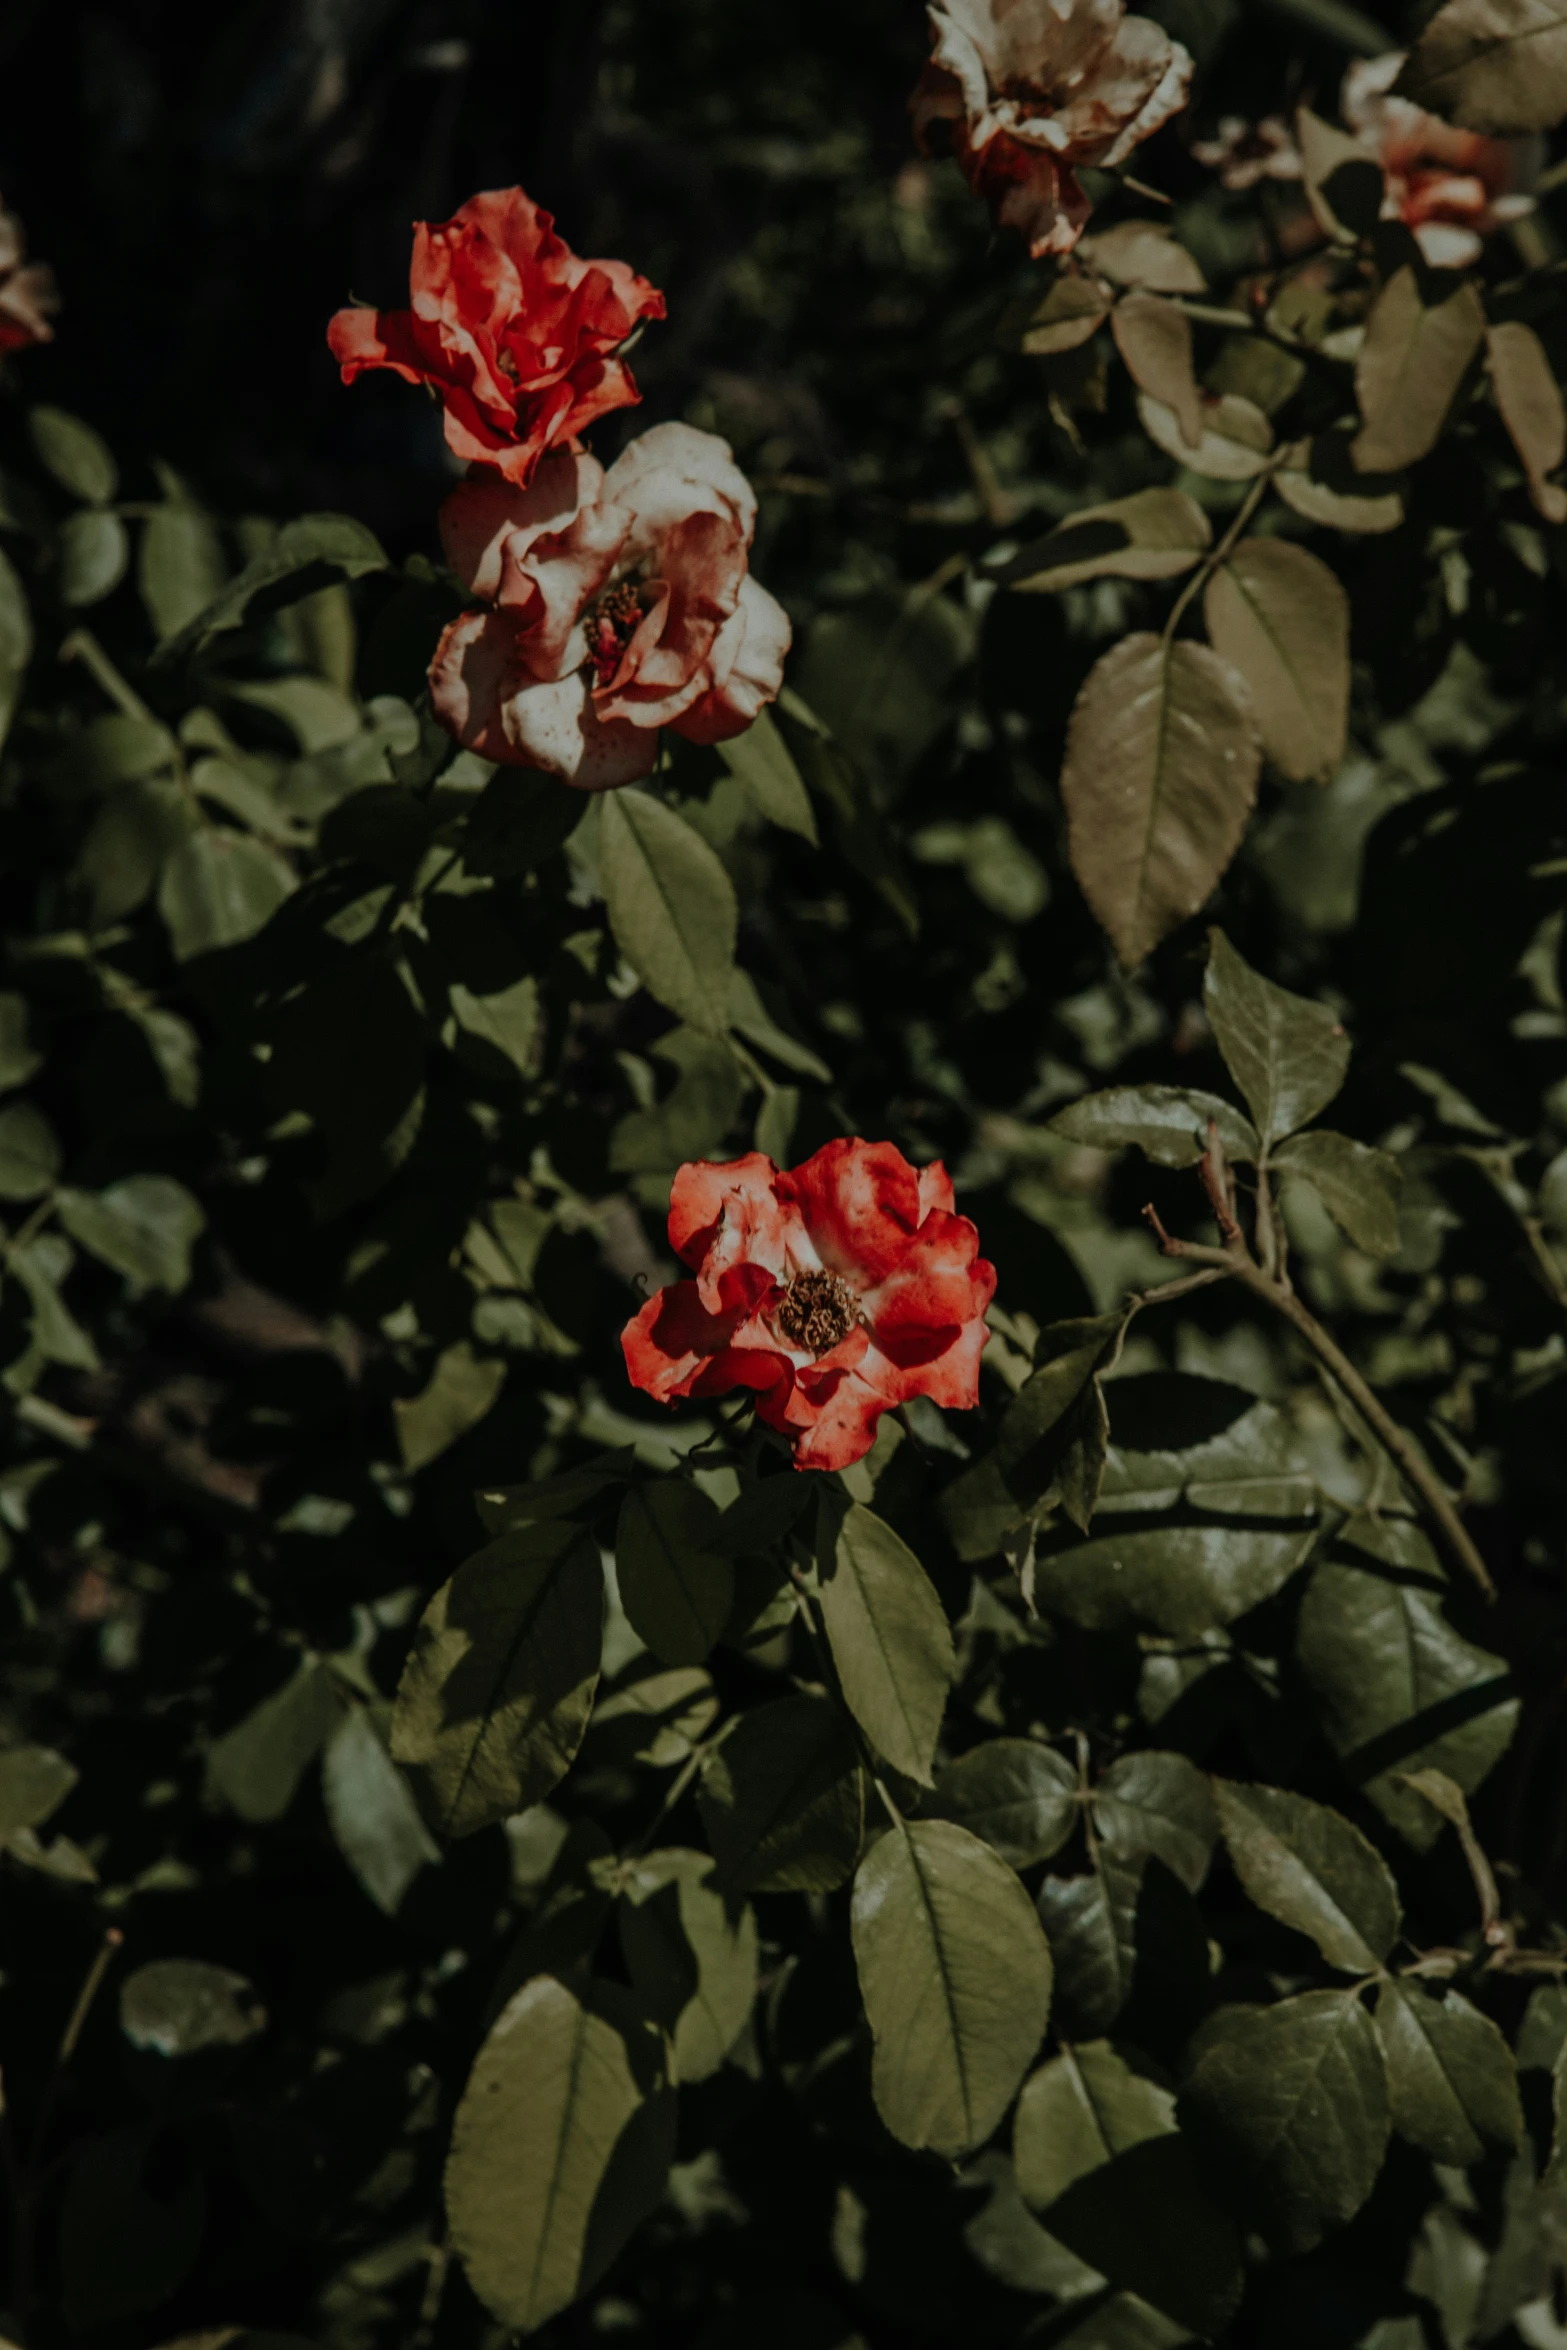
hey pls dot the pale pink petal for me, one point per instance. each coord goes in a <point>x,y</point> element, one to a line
<point>556,727</point>
<point>485,509</point>
<point>474,673</point>
<point>551,582</point>
<point>666,664</point>
<point>674,470</point>
<point>747,663</point>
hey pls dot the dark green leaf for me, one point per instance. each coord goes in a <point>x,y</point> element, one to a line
<point>671,907</point>
<point>676,1592</point>
<point>1450,2074</point>
<point>218,888</point>
<point>181,566</point>
<point>692,1121</point>
<point>1492,65</point>
<point>1154,534</point>
<point>16,642</point>
<point>782,1800</point>
<point>1095,2141</point>
<point>130,2227</point>
<point>764,1513</point>
<point>461,1390</point>
<point>518,821</point>
<point>78,457</point>
<point>1168,1123</point>
<point>1397,1687</point>
<point>257,1766</point>
<point>890,1641</point>
<point>1153,1805</point>
<point>1287,1055</point>
<point>1358,1186</point>
<point>761,759</point>
<point>1308,1867</point>
<point>181,2006</point>
<point>1018,1795</point>
<point>1277,614</point>
<point>1414,357</point>
<point>692,1956</point>
<point>371,1812</point>
<point>1292,2103</point>
<point>145,1227</point>
<point>34,1781</point>
<point>560,2148</point>
<point>1127,1931</point>
<point>955,1975</point>
<point>29,1153</point>
<point>94,550</point>
<point>304,554</point>
<point>499,1684</point>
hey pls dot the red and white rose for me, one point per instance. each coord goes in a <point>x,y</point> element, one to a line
<point>834,1291</point>
<point>1030,90</point>
<point>615,604</point>
<point>1452,188</point>
<point>518,336</point>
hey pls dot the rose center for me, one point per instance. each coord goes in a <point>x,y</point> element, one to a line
<point>611,622</point>
<point>816,1311</point>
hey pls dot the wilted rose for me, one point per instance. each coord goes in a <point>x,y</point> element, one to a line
<point>1032,89</point>
<point>1451,188</point>
<point>518,336</point>
<point>616,604</point>
<point>834,1291</point>
<point>28,299</point>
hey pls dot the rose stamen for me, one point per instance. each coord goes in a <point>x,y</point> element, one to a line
<point>817,1311</point>
<point>611,623</point>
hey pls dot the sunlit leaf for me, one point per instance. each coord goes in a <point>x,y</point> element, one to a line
<point>1410,366</point>
<point>1288,1055</point>
<point>1492,65</point>
<point>890,1641</point>
<point>1277,614</point>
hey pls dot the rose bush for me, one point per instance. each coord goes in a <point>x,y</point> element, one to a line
<point>1030,90</point>
<point>517,336</point>
<point>833,1291</point>
<point>617,604</point>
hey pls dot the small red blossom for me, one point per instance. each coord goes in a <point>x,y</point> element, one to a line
<point>615,604</point>
<point>1029,90</point>
<point>834,1291</point>
<point>519,337</point>
<point>27,297</point>
<point>1451,188</point>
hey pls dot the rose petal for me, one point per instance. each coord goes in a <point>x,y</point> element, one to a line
<point>725,1215</point>
<point>474,674</point>
<point>747,662</point>
<point>556,727</point>
<point>486,510</point>
<point>860,1203</point>
<point>674,470</point>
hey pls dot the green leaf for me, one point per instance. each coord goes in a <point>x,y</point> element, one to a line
<point>16,642</point>
<point>181,566</point>
<point>692,1121</point>
<point>890,1641</point>
<point>1154,339</point>
<point>305,555</point>
<point>40,1266</point>
<point>34,1781</point>
<point>1532,408</point>
<point>29,1152</point>
<point>955,1974</point>
<point>1278,615</point>
<point>1011,2246</point>
<point>750,1017</point>
<point>1234,442</point>
<point>373,1817</point>
<point>1095,2141</point>
<point>94,549</point>
<point>1293,2102</point>
<point>763,1514</point>
<point>676,1592</point>
<point>1307,1866</point>
<point>133,834</point>
<point>348,1050</point>
<point>880,675</point>
<point>130,2227</point>
<point>1450,2074</point>
<point>1144,253</point>
<point>1074,308</point>
<point>1410,367</point>
<point>177,2007</point>
<point>505,1022</point>
<point>1397,1688</point>
<point>864,836</point>
<point>1288,1055</point>
<point>1154,534</point>
<point>461,1390</point>
<point>219,888</point>
<point>498,1686</point>
<point>257,1766</point>
<point>518,822</point>
<point>671,907</point>
<point>78,457</point>
<point>1162,757</point>
<point>691,1954</point>
<point>1360,1187</point>
<point>764,764</point>
<point>782,1799</point>
<point>1344,184</point>
<point>560,2148</point>
<point>657,1720</point>
<point>1167,1123</point>
<point>1323,486</point>
<point>1186,1577</point>
<point>1497,66</point>
<point>144,1227</point>
<point>1126,1930</point>
<point>1018,1795</point>
<point>1152,1805</point>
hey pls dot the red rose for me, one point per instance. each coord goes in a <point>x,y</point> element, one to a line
<point>514,331</point>
<point>617,604</point>
<point>834,1291</point>
<point>1450,188</point>
<point>1031,89</point>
